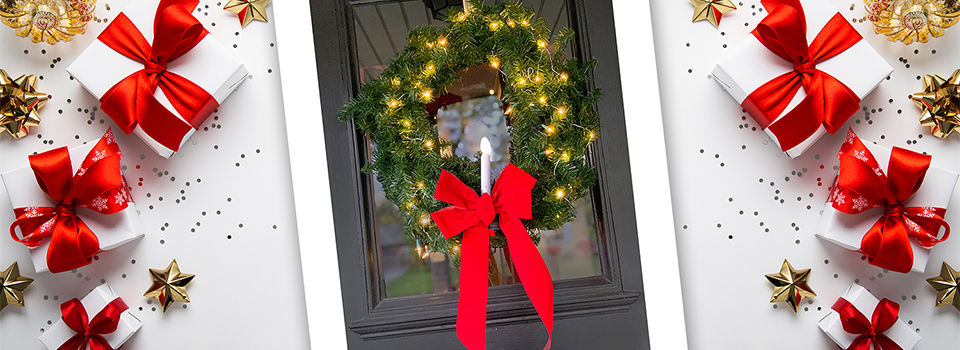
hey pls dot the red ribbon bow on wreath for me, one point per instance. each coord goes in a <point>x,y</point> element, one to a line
<point>90,334</point>
<point>869,332</point>
<point>471,215</point>
<point>131,102</point>
<point>828,102</point>
<point>862,185</point>
<point>97,185</point>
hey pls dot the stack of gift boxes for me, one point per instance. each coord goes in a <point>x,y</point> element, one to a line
<point>158,74</point>
<point>801,75</point>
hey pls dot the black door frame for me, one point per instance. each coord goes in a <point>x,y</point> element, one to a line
<point>606,311</point>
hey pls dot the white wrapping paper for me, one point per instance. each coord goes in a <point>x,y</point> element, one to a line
<point>847,230</point>
<point>112,230</point>
<point>98,298</point>
<point>865,302</point>
<point>209,65</point>
<point>751,65</point>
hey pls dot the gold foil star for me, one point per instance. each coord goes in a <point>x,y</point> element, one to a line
<point>248,10</point>
<point>790,285</point>
<point>711,10</point>
<point>11,292</point>
<point>169,285</point>
<point>940,102</point>
<point>19,102</point>
<point>948,293</point>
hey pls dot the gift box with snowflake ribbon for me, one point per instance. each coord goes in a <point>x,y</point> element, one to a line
<point>71,204</point>
<point>888,204</point>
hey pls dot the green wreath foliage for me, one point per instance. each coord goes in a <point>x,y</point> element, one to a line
<point>551,116</point>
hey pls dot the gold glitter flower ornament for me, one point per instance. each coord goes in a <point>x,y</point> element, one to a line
<point>19,102</point>
<point>940,101</point>
<point>910,21</point>
<point>49,21</point>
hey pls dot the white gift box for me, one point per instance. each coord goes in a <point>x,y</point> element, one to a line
<point>847,230</point>
<point>865,302</point>
<point>112,230</point>
<point>98,298</point>
<point>209,65</point>
<point>751,65</point>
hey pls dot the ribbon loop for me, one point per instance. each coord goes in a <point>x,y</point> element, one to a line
<point>131,102</point>
<point>98,185</point>
<point>828,101</point>
<point>471,214</point>
<point>862,185</point>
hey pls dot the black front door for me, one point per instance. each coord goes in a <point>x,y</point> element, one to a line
<point>396,296</point>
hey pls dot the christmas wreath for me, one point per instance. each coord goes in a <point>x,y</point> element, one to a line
<point>550,112</point>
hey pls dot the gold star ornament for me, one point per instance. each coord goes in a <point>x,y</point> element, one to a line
<point>19,102</point>
<point>248,10</point>
<point>948,293</point>
<point>790,285</point>
<point>711,10</point>
<point>11,293</point>
<point>169,285</point>
<point>940,102</point>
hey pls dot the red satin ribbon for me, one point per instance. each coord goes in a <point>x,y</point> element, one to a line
<point>90,334</point>
<point>471,215</point>
<point>862,185</point>
<point>828,101</point>
<point>97,185</point>
<point>869,332</point>
<point>131,102</point>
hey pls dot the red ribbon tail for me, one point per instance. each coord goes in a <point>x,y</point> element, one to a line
<point>474,273</point>
<point>533,272</point>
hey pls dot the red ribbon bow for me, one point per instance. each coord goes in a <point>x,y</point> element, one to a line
<point>97,185</point>
<point>131,102</point>
<point>828,102</point>
<point>862,185</point>
<point>869,332</point>
<point>471,215</point>
<point>90,334</point>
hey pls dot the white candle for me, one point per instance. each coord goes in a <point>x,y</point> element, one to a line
<point>485,151</point>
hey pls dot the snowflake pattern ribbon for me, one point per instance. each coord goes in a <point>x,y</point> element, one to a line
<point>97,185</point>
<point>862,185</point>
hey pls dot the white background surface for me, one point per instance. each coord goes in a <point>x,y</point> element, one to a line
<point>717,161</point>
<point>248,293</point>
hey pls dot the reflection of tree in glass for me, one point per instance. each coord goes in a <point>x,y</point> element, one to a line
<point>465,123</point>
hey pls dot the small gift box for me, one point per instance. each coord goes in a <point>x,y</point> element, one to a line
<point>158,73</point>
<point>67,217</point>
<point>858,320</point>
<point>888,204</point>
<point>801,73</point>
<point>101,320</point>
